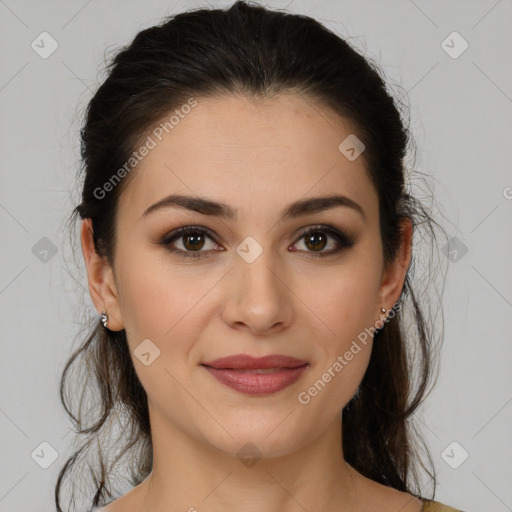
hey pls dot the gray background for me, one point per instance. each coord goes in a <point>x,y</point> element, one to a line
<point>461,118</point>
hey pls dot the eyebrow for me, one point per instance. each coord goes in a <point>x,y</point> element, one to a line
<point>218,209</point>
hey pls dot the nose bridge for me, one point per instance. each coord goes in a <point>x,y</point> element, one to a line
<point>255,269</point>
<point>258,294</point>
<point>255,265</point>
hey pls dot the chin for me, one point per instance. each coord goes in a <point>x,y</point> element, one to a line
<point>257,441</point>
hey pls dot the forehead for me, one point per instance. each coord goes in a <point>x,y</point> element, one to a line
<point>252,152</point>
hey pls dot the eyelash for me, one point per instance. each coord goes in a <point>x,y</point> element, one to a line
<point>344,241</point>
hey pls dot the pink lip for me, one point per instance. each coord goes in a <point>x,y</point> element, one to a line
<point>235,372</point>
<point>247,362</point>
<point>254,383</point>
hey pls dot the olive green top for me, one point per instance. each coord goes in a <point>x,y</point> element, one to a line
<point>435,506</point>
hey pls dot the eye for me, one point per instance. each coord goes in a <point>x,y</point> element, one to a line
<point>193,240</point>
<point>316,239</point>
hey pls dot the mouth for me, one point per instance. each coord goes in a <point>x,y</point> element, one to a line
<point>257,381</point>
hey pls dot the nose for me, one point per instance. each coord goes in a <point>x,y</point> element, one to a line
<point>258,297</point>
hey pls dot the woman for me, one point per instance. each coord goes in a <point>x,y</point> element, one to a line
<point>247,236</point>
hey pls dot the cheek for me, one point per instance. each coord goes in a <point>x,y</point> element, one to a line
<point>343,301</point>
<point>167,306</point>
<point>342,354</point>
<point>144,299</point>
<point>163,302</point>
<point>343,305</point>
<point>334,380</point>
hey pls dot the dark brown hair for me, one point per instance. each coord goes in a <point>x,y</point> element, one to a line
<point>252,51</point>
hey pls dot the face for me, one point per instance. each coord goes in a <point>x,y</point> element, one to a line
<point>253,282</point>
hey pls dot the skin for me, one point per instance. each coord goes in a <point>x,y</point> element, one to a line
<point>257,156</point>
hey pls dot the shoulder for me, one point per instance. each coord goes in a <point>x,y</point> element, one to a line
<point>435,506</point>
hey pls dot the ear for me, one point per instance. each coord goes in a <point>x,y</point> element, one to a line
<point>100,277</point>
<point>393,276</point>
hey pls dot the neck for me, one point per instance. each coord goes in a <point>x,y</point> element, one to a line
<point>191,475</point>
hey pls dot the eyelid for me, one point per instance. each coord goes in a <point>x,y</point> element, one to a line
<point>328,229</point>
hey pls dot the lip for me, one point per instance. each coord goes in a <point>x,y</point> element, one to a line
<point>251,383</point>
<point>240,372</point>
<point>247,362</point>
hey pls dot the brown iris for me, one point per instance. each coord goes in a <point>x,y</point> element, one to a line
<point>317,240</point>
<point>193,241</point>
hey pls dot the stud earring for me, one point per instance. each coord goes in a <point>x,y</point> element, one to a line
<point>104,319</point>
<point>383,310</point>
